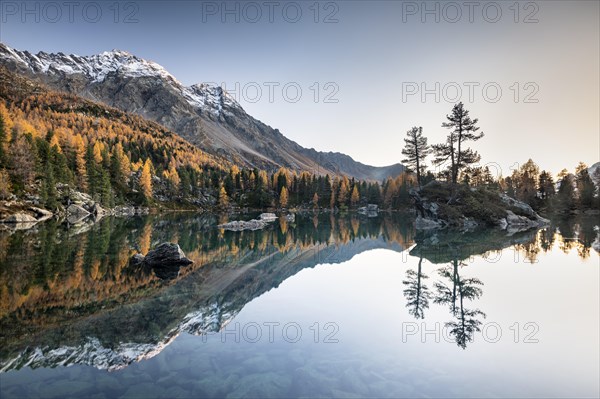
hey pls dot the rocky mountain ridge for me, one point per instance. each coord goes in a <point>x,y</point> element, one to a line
<point>203,114</point>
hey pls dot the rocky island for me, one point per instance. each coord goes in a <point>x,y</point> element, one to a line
<point>441,205</point>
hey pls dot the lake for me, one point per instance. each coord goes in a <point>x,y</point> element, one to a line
<point>334,306</point>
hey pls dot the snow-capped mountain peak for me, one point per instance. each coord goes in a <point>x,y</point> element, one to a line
<point>117,52</point>
<point>96,67</point>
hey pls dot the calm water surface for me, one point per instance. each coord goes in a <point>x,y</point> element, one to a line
<point>326,306</point>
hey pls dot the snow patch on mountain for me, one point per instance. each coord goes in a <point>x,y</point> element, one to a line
<point>208,96</point>
<point>96,68</point>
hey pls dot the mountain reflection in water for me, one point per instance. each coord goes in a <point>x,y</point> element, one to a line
<point>69,296</point>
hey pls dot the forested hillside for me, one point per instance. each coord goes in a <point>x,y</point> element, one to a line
<point>205,114</point>
<point>49,137</point>
<point>52,139</point>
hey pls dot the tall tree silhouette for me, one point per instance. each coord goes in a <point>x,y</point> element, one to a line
<point>565,197</point>
<point>416,150</point>
<point>585,186</point>
<point>546,185</point>
<point>462,129</point>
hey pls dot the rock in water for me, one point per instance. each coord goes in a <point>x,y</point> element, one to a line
<point>20,218</point>
<point>255,224</point>
<point>239,225</point>
<point>98,210</point>
<point>596,245</point>
<point>41,214</point>
<point>422,223</point>
<point>371,210</point>
<point>267,217</point>
<point>136,260</point>
<point>76,210</point>
<point>167,254</point>
<point>165,260</point>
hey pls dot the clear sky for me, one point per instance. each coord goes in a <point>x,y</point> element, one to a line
<point>363,66</point>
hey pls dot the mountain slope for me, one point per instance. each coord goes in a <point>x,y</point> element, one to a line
<point>594,172</point>
<point>205,115</point>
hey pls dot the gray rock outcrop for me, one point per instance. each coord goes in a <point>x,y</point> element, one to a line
<point>511,214</point>
<point>596,245</point>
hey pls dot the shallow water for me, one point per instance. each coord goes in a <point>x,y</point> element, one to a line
<point>326,306</point>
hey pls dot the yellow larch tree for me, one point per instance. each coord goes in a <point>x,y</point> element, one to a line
<point>223,198</point>
<point>355,197</point>
<point>97,150</point>
<point>283,197</point>
<point>80,164</point>
<point>344,191</point>
<point>146,179</point>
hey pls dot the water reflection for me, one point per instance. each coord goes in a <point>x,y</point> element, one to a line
<point>453,291</point>
<point>70,296</point>
<point>465,322</point>
<point>454,250</point>
<point>73,295</point>
<point>416,293</point>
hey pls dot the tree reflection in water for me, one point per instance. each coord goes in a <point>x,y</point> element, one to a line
<point>416,292</point>
<point>466,322</point>
<point>453,248</point>
<point>62,286</point>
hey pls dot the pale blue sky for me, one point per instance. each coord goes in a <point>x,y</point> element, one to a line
<point>370,57</point>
